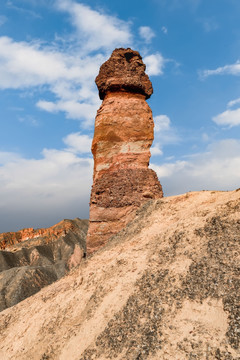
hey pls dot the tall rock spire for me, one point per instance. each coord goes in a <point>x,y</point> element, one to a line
<point>123,135</point>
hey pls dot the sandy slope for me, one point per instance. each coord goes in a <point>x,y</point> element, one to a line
<point>166,287</point>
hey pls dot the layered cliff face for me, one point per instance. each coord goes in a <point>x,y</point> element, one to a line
<point>121,147</point>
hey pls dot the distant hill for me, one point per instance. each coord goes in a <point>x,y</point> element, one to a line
<point>31,259</point>
<point>165,287</point>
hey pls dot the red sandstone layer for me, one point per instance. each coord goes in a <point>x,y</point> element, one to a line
<point>9,239</point>
<point>123,133</point>
<point>121,147</point>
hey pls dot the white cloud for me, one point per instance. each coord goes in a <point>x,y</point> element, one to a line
<point>233,102</point>
<point>162,123</point>
<point>68,72</point>
<point>146,33</point>
<point>31,64</point>
<point>228,117</point>
<point>70,78</point>
<point>216,169</point>
<point>232,69</point>
<point>97,30</point>
<point>155,64</point>
<point>24,64</point>
<point>164,134</point>
<point>156,150</point>
<point>73,109</point>
<point>78,143</point>
<point>168,169</point>
<point>40,192</point>
<point>6,157</point>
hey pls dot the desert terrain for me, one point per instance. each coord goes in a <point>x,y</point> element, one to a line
<point>165,287</point>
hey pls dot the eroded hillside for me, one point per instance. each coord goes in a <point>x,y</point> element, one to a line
<point>29,237</point>
<point>165,287</point>
<point>31,259</point>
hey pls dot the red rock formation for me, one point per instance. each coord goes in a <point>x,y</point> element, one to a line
<point>9,239</point>
<point>121,147</point>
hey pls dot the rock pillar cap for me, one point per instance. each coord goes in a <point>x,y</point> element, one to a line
<point>124,71</point>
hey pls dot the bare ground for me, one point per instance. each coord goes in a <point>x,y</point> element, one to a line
<point>166,287</point>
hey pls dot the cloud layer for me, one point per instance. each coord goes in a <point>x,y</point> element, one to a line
<point>70,78</point>
<point>216,169</point>
<point>42,192</point>
<point>97,30</point>
<point>164,133</point>
<point>68,71</point>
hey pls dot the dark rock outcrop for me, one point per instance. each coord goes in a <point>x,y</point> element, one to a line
<point>124,71</point>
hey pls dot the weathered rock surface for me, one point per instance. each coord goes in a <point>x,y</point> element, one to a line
<point>121,147</point>
<point>124,71</point>
<point>28,265</point>
<point>166,287</point>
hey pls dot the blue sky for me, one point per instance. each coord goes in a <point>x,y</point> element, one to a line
<point>50,53</point>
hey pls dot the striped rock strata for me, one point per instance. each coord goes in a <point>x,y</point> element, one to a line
<point>28,237</point>
<point>123,135</point>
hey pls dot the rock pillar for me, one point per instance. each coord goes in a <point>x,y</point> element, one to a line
<point>123,135</point>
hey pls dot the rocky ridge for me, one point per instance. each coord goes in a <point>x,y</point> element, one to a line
<point>9,240</point>
<point>32,259</point>
<point>165,287</point>
<point>121,145</point>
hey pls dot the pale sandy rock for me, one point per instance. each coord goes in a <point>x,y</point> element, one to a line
<point>166,287</point>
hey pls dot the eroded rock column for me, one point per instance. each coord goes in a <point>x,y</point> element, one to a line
<point>123,135</point>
